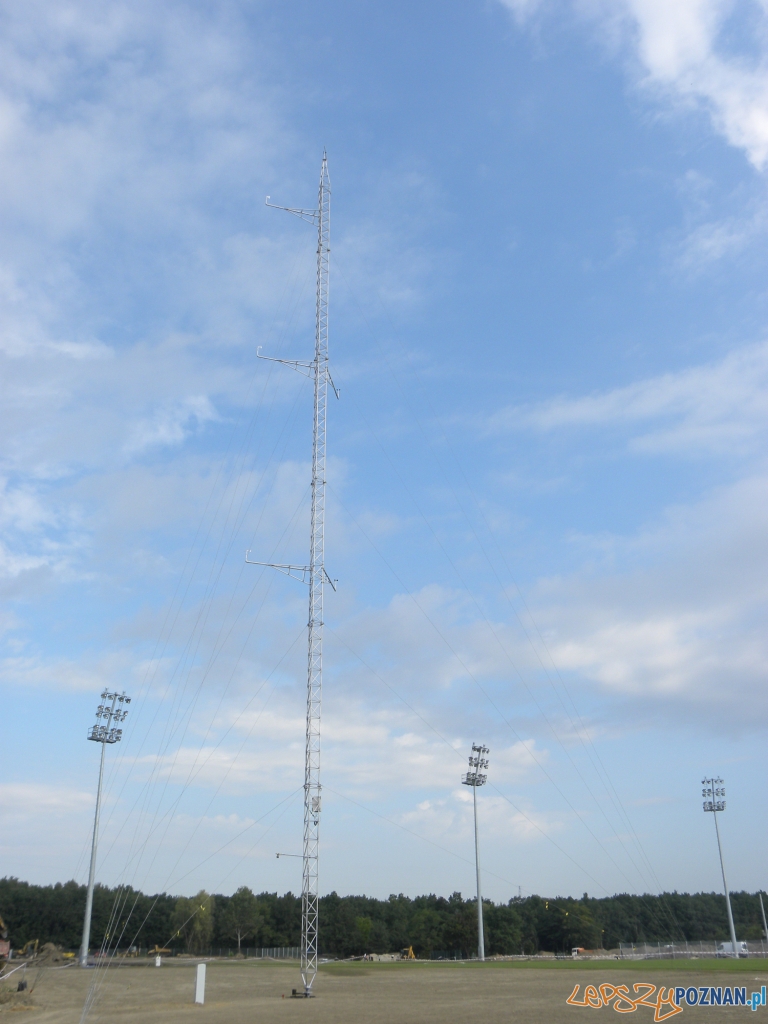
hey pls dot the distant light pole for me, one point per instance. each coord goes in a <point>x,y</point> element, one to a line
<point>762,911</point>
<point>714,793</point>
<point>103,734</point>
<point>474,778</point>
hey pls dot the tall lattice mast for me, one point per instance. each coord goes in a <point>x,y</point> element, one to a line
<point>309,891</point>
<point>315,575</point>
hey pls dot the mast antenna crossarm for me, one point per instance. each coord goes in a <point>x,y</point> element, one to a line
<point>289,570</point>
<point>306,369</point>
<point>310,216</point>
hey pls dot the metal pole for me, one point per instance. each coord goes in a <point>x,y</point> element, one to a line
<point>480,936</point>
<point>714,794</point>
<point>762,911</point>
<point>476,777</point>
<point>725,886</point>
<point>92,871</point>
<point>102,734</point>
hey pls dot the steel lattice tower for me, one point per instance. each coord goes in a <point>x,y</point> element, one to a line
<point>316,576</point>
<point>309,891</point>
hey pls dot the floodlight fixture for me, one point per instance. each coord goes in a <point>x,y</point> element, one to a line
<point>103,732</point>
<point>476,777</point>
<point>713,791</point>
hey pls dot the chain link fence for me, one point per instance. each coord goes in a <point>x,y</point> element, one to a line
<point>688,950</point>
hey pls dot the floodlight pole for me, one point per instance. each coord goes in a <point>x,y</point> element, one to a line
<point>474,778</point>
<point>762,911</point>
<point>714,794</point>
<point>314,575</point>
<point>102,734</point>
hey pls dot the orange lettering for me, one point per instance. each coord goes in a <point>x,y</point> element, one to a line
<point>670,1002</point>
<point>607,992</point>
<point>593,997</point>
<point>623,993</point>
<point>663,1005</point>
<point>644,999</point>
<point>572,1000</point>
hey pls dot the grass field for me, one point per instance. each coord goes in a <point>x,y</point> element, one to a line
<point>356,993</point>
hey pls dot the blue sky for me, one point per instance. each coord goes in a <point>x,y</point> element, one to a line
<point>547,474</point>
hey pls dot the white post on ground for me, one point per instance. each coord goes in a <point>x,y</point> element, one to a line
<point>475,777</point>
<point>200,984</point>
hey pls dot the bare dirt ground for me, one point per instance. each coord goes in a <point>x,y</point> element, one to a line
<point>357,993</point>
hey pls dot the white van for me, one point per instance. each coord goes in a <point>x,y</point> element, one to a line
<point>726,949</point>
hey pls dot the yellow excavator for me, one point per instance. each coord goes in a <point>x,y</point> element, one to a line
<point>31,945</point>
<point>407,954</point>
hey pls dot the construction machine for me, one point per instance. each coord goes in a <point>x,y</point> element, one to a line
<point>31,945</point>
<point>157,951</point>
<point>407,954</point>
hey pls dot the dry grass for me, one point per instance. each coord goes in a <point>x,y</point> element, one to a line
<point>254,992</point>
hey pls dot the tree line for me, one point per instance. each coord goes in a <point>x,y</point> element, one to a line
<point>353,925</point>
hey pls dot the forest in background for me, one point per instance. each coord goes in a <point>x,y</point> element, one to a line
<point>353,925</point>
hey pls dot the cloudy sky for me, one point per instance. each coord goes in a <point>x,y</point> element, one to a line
<point>547,476</point>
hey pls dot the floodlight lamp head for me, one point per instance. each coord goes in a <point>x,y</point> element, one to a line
<point>714,792</point>
<point>474,779</point>
<point>108,713</point>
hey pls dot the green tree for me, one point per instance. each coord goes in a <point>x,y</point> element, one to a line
<point>504,927</point>
<point>363,927</point>
<point>564,924</point>
<point>193,921</point>
<point>426,931</point>
<point>241,917</point>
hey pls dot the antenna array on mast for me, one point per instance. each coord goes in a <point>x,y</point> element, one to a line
<point>315,575</point>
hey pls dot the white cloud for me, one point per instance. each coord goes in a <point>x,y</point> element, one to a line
<point>718,407</point>
<point>682,55</point>
<point>674,621</point>
<point>363,749</point>
<point>451,819</point>
<point>28,800</point>
<point>170,426</point>
<point>681,49</point>
<point>87,674</point>
<point>522,9</point>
